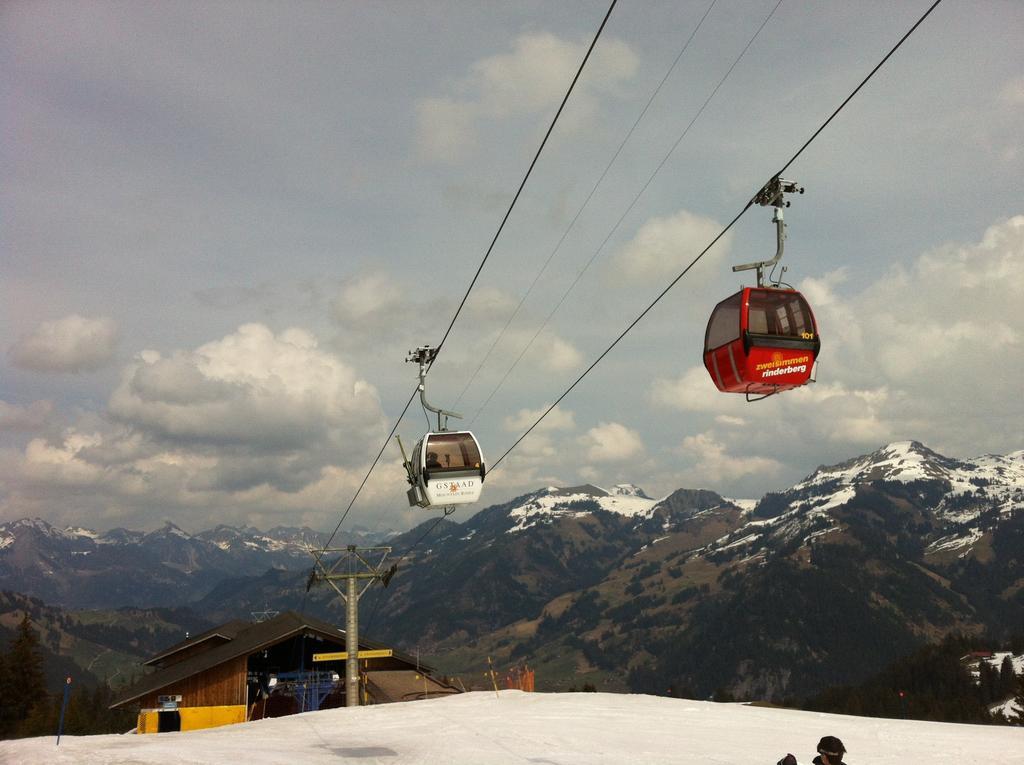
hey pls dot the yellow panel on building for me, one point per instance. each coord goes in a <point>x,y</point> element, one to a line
<point>193,718</point>
<point>149,721</point>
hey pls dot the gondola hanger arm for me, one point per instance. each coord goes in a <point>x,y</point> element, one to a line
<point>772,194</point>
<point>424,356</point>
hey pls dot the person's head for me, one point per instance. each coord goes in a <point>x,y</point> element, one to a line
<point>831,750</point>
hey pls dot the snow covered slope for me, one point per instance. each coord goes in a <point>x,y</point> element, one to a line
<point>962,498</point>
<point>999,477</point>
<point>552,503</point>
<point>546,729</point>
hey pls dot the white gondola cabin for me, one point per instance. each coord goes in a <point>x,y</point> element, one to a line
<point>447,469</point>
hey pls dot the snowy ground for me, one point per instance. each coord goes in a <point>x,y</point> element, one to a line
<point>540,728</point>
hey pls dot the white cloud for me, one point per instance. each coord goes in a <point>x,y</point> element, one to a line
<point>664,246</point>
<point>445,128</point>
<point>1012,93</point>
<point>490,304</point>
<point>611,442</point>
<point>555,353</point>
<point>531,78</point>
<point>693,391</point>
<point>536,73</point>
<point>713,464</point>
<point>262,426</point>
<point>558,419</point>
<point>728,419</point>
<point>840,414</point>
<point>31,417</point>
<point>268,392</point>
<point>951,320</point>
<point>72,344</point>
<point>60,462</point>
<point>369,297</point>
<point>829,410</point>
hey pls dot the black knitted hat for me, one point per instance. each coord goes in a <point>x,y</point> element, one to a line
<point>831,745</point>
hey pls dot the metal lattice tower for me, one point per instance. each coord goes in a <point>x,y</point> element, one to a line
<point>354,564</point>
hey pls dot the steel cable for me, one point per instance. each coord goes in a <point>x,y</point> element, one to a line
<point>719,236</point>
<point>629,209</point>
<point>582,207</point>
<point>472,283</point>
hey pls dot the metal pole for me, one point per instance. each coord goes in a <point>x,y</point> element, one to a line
<point>352,644</point>
<point>355,557</point>
<point>64,706</point>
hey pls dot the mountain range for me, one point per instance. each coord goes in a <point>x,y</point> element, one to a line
<point>689,594</point>
<point>80,568</point>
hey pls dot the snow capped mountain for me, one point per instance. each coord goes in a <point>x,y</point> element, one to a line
<point>242,538</point>
<point>627,490</point>
<point>78,531</point>
<point>38,526</point>
<point>167,566</point>
<point>711,588</point>
<point>120,536</point>
<point>959,499</point>
<point>168,530</point>
<point>575,501</point>
<point>903,461</point>
<point>1000,477</point>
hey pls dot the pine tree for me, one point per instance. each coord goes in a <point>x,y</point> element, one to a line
<point>23,676</point>
<point>7,721</point>
<point>1007,678</point>
<point>988,682</point>
<point>41,719</point>
<point>1019,700</point>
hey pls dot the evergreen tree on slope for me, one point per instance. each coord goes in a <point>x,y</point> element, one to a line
<point>21,680</point>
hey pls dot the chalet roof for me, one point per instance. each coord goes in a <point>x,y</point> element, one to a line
<point>255,637</point>
<point>227,631</point>
<point>401,685</point>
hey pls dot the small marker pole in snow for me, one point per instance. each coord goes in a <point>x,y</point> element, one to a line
<point>903,704</point>
<point>63,707</point>
<point>494,680</point>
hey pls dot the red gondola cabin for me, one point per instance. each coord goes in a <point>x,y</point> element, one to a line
<point>760,341</point>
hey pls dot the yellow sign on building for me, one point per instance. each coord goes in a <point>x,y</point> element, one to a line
<point>380,653</point>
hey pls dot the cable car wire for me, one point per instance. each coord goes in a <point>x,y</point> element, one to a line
<point>629,209</point>
<point>472,283</point>
<point>586,202</point>
<point>857,89</point>
<point>667,288</point>
<point>381,597</point>
<point>367,476</point>
<point>526,177</point>
<point>718,236</point>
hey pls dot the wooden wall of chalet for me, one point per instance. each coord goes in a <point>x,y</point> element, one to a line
<point>222,685</point>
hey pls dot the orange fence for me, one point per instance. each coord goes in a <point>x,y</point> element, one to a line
<point>520,678</point>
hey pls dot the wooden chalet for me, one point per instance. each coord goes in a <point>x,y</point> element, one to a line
<point>242,671</point>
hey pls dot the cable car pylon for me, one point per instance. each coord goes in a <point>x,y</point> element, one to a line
<point>359,565</point>
<point>446,467</point>
<point>763,340</point>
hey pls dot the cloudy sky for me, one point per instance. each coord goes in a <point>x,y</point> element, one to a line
<point>222,225</point>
